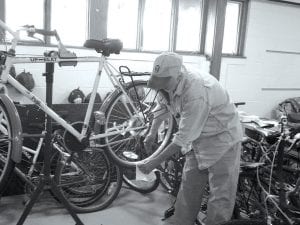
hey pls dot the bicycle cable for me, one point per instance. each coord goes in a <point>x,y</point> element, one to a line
<point>269,195</point>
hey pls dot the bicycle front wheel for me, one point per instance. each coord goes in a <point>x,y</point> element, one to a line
<point>127,148</point>
<point>10,129</point>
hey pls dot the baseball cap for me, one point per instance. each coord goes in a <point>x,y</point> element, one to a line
<point>166,65</point>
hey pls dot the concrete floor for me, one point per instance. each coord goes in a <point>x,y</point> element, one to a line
<point>130,208</point>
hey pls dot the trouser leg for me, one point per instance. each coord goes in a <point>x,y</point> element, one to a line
<point>223,178</point>
<point>190,194</point>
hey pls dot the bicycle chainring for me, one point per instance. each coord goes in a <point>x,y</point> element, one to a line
<point>72,143</point>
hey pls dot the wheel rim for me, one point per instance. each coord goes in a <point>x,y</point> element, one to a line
<point>130,144</point>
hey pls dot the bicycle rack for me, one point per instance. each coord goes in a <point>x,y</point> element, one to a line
<point>46,179</point>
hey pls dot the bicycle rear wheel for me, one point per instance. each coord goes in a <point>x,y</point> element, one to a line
<point>88,180</point>
<point>127,149</point>
<point>10,141</point>
<point>127,146</point>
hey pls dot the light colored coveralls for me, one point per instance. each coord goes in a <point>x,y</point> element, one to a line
<point>210,134</point>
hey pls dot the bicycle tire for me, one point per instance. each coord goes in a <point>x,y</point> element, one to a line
<point>90,183</point>
<point>10,141</point>
<point>245,222</point>
<point>141,186</point>
<point>116,112</point>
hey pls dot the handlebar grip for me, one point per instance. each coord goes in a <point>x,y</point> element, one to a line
<point>237,104</point>
<point>45,32</point>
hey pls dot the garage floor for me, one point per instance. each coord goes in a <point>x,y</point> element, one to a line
<point>130,208</point>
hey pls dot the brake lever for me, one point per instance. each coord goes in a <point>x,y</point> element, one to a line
<point>30,29</point>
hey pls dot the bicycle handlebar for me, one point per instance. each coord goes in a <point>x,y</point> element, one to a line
<point>237,104</point>
<point>31,30</point>
<point>45,32</point>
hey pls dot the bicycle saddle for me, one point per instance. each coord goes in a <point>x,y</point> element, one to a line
<point>106,46</point>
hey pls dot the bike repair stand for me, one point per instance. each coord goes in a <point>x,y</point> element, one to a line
<point>45,179</point>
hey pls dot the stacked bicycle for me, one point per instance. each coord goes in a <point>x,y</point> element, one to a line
<point>269,183</point>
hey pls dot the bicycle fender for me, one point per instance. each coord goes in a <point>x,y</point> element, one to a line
<point>17,140</point>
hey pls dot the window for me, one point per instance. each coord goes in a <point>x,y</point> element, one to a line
<point>122,21</point>
<point>145,25</point>
<point>234,27</point>
<point>142,25</point>
<point>173,25</point>
<point>188,37</point>
<point>23,14</point>
<point>69,18</point>
<point>156,26</point>
<point>231,30</point>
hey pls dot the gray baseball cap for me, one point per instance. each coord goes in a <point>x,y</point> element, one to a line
<point>166,65</point>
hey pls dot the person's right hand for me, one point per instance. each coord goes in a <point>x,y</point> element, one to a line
<point>148,143</point>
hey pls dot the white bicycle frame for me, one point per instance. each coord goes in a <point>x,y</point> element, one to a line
<point>103,64</point>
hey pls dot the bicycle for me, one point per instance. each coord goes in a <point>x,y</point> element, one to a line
<point>94,182</point>
<point>272,183</point>
<point>121,121</point>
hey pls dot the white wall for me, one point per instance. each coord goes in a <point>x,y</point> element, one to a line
<point>258,78</point>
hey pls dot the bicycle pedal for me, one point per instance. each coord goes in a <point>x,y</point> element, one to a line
<point>130,155</point>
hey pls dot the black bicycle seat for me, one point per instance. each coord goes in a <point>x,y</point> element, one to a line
<point>106,46</point>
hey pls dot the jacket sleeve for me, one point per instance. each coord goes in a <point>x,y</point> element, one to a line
<point>194,115</point>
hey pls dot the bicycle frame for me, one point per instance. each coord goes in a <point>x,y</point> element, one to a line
<point>102,65</point>
<point>34,153</point>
